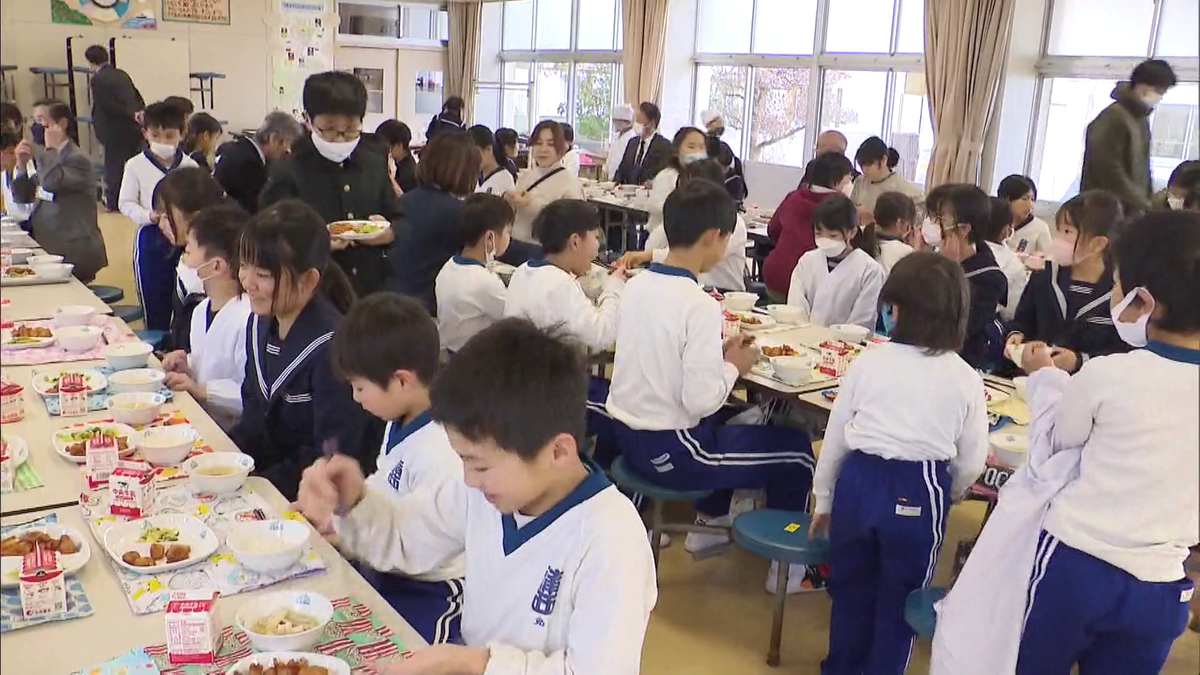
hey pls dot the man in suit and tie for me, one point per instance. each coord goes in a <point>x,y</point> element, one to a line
<point>116,107</point>
<point>648,152</point>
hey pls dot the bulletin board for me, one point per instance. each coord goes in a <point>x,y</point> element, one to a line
<point>196,11</point>
<point>302,44</point>
<point>158,67</point>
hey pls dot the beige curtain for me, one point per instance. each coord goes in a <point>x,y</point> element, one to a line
<point>966,42</point>
<point>645,26</point>
<point>463,53</point>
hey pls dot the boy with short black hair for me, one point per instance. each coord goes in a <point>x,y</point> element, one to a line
<point>673,375</point>
<point>387,348</point>
<point>560,578</point>
<point>547,290</point>
<point>470,297</point>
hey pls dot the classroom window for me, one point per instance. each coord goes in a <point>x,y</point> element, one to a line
<point>1100,27</point>
<point>779,115</point>
<point>724,27</point>
<point>379,22</point>
<point>862,26</point>
<point>723,88</point>
<point>910,39</point>
<point>912,129</point>
<point>784,26</point>
<point>594,90</point>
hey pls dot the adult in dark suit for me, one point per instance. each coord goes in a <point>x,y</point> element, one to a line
<point>64,221</point>
<point>241,166</point>
<point>648,152</point>
<point>116,107</point>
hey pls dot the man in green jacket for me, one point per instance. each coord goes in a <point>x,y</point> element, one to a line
<point>1116,154</point>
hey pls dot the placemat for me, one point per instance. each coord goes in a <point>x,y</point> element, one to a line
<point>163,474</point>
<point>25,479</point>
<point>114,331</point>
<point>11,616</point>
<point>97,401</point>
<point>147,593</point>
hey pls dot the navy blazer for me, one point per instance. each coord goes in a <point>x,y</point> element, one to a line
<point>655,159</point>
<point>989,289</point>
<point>427,240</point>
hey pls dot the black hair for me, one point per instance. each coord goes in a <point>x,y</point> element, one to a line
<point>1185,175</point>
<point>184,104</point>
<point>334,93</point>
<point>515,385</point>
<point>383,333</point>
<point>719,150</point>
<point>1016,186</point>
<point>506,137</point>
<point>218,229</point>
<point>935,197</point>
<point>677,142</point>
<point>454,105</point>
<point>1161,252</point>
<point>891,207</point>
<point>651,111</point>
<point>289,236</point>
<point>1095,213</point>
<point>874,150</point>
<point>556,135</point>
<point>1000,216</point>
<point>827,170</point>
<point>96,55</point>
<point>10,115</point>
<point>9,140</point>
<point>189,189</point>
<point>200,123</point>
<point>838,212</point>
<point>934,298</point>
<point>971,207</point>
<point>708,169</point>
<point>482,213</point>
<point>1192,200</point>
<point>394,132</point>
<point>1155,73</point>
<point>485,140</point>
<point>163,115</point>
<point>561,219</point>
<point>568,133</point>
<point>695,207</point>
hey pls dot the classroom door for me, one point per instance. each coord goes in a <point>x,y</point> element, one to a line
<point>377,70</point>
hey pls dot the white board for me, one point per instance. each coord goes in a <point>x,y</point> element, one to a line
<point>159,67</point>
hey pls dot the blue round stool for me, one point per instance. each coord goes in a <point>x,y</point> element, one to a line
<point>625,478</point>
<point>107,294</point>
<point>919,612</point>
<point>782,536</point>
<point>153,338</point>
<point>127,313</point>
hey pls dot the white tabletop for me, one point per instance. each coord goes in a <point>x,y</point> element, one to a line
<point>802,337</point>
<point>63,646</point>
<point>39,302</point>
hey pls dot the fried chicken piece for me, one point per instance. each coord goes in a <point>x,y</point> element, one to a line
<point>143,561</point>
<point>66,545</point>
<point>178,552</point>
<point>157,551</point>
<point>131,558</point>
<point>78,449</point>
<point>313,670</point>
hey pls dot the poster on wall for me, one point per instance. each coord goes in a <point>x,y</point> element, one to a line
<point>196,11</point>
<point>430,87</point>
<point>301,44</point>
<point>127,14</point>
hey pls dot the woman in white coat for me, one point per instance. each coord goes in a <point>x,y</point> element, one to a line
<point>213,372</point>
<point>838,281</point>
<point>545,181</point>
<point>689,145</point>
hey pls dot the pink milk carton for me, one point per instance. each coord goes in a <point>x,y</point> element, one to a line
<point>101,457</point>
<point>8,470</point>
<point>72,395</point>
<point>190,634</point>
<point>835,358</point>
<point>43,584</point>
<point>132,490</point>
<point>12,402</point>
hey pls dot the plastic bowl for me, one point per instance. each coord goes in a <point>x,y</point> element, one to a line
<point>167,446</point>
<point>73,315</point>
<point>268,546</point>
<point>20,256</point>
<point>53,270</point>
<point>135,408</point>
<point>126,355</point>
<point>146,380</point>
<point>849,332</point>
<point>240,464</point>
<point>44,259</point>
<point>793,369</point>
<point>786,313</point>
<point>311,604</point>
<point>79,338</point>
<point>740,302</point>
<point>1011,449</point>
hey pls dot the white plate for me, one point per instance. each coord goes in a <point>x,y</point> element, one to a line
<point>124,537</point>
<point>18,450</point>
<point>34,280</point>
<point>43,381</point>
<point>6,335</point>
<point>60,443</point>
<point>10,565</point>
<point>352,236</point>
<point>335,665</point>
<point>766,321</point>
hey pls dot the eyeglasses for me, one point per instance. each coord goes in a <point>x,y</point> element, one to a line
<point>336,135</point>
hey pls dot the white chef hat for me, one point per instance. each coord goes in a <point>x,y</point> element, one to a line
<point>708,116</point>
<point>622,112</point>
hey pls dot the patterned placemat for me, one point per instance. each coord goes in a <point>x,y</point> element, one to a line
<point>11,616</point>
<point>148,593</point>
<point>163,474</point>
<point>114,331</point>
<point>25,479</point>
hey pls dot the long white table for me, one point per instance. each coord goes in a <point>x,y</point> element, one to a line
<point>39,302</point>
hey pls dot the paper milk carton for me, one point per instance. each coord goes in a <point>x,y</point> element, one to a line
<point>43,584</point>
<point>72,395</point>
<point>190,634</point>
<point>12,402</point>
<point>132,490</point>
<point>101,457</point>
<point>8,470</point>
<point>835,358</point>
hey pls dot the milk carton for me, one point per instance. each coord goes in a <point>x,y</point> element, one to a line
<point>72,395</point>
<point>8,471</point>
<point>835,358</point>
<point>191,639</point>
<point>12,402</point>
<point>43,584</point>
<point>101,457</point>
<point>132,490</point>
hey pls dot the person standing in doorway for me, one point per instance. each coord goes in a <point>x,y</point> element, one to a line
<point>116,117</point>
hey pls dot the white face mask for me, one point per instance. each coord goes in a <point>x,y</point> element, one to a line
<point>190,279</point>
<point>1152,99</point>
<point>336,152</point>
<point>692,157</point>
<point>931,233</point>
<point>1176,203</point>
<point>639,128</point>
<point>1133,334</point>
<point>162,150</point>
<point>830,248</point>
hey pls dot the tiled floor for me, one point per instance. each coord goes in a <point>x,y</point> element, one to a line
<point>713,616</point>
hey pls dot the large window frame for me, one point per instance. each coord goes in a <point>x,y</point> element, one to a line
<point>1050,67</point>
<point>573,58</point>
<point>892,63</point>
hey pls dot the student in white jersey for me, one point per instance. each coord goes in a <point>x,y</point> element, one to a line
<point>387,348</point>
<point>673,375</point>
<point>470,297</point>
<point>996,229</point>
<point>214,370</point>
<point>895,217</point>
<point>896,475</point>
<point>546,290</point>
<point>838,281</point>
<point>560,579</point>
<point>494,178</point>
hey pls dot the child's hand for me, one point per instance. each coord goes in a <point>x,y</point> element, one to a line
<point>634,259</point>
<point>24,153</point>
<point>1064,359</point>
<point>441,659</point>
<point>339,244</point>
<point>343,476</point>
<point>1037,356</point>
<point>741,353</point>
<point>184,382</point>
<point>164,226</point>
<point>517,198</point>
<point>156,216</point>
<point>176,362</point>
<point>1013,341</point>
<point>819,527</point>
